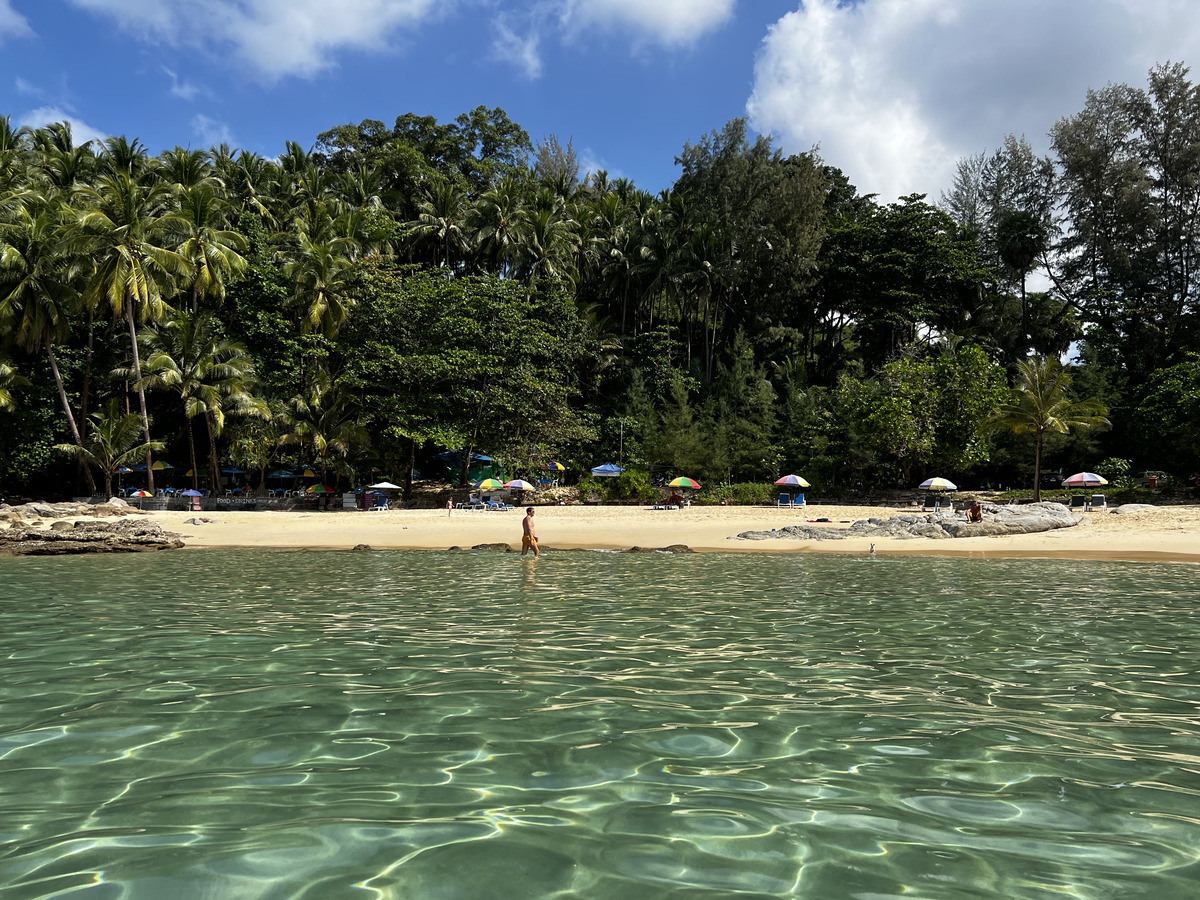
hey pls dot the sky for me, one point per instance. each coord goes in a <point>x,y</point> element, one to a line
<point>893,92</point>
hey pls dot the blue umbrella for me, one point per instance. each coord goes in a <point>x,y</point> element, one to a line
<point>608,470</point>
<point>190,493</point>
<point>233,470</point>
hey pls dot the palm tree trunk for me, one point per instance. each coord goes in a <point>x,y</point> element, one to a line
<point>192,452</point>
<point>213,460</point>
<point>87,372</point>
<point>412,461</point>
<point>62,395</point>
<point>137,370</point>
<point>1037,469</point>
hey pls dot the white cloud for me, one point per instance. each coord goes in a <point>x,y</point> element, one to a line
<point>276,38</point>
<point>521,52</point>
<point>81,131</point>
<point>12,23</point>
<point>668,22</point>
<point>896,91</point>
<point>184,90</point>
<point>212,132</point>
<point>591,163</point>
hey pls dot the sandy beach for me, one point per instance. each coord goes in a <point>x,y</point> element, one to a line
<point>1167,533</point>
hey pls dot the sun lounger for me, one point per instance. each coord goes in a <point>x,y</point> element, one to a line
<point>784,500</point>
<point>1078,501</point>
<point>799,500</point>
<point>1098,501</point>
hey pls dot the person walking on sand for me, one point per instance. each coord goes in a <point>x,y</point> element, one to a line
<point>528,538</point>
<point>449,507</point>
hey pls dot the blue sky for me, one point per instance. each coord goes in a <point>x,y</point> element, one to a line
<point>892,91</point>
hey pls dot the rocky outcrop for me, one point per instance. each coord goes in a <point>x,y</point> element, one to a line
<point>1130,508</point>
<point>62,537</point>
<point>31,513</point>
<point>1030,518</point>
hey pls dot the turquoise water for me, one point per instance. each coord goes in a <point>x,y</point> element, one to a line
<point>439,725</point>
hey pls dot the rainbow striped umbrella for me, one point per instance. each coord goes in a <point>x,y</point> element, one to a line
<point>490,484</point>
<point>518,485</point>
<point>793,481</point>
<point>684,482</point>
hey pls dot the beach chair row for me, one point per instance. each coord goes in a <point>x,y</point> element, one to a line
<point>791,500</point>
<point>1096,501</point>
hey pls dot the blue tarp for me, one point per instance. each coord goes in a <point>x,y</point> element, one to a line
<point>608,470</point>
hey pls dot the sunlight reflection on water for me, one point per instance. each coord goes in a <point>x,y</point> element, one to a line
<point>372,724</point>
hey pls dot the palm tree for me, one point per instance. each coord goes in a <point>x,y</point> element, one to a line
<point>499,223</point>
<point>126,228</point>
<point>1041,403</point>
<point>212,250</point>
<point>38,294</point>
<point>186,168</point>
<point>111,443</point>
<point>441,220</point>
<point>9,379</point>
<point>325,418</point>
<point>210,375</point>
<point>319,273</point>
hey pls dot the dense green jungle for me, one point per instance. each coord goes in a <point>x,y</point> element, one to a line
<point>394,292</point>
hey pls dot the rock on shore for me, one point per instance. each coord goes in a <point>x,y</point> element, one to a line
<point>1029,518</point>
<point>51,529</point>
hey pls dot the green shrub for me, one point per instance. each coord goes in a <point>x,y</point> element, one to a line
<point>747,494</point>
<point>634,484</point>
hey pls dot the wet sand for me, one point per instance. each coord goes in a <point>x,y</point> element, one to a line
<point>1167,533</point>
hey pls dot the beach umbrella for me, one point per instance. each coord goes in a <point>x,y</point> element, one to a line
<point>278,473</point>
<point>308,473</point>
<point>792,480</point>
<point>233,470</point>
<point>490,484</point>
<point>518,485</point>
<point>684,482</point>
<point>190,493</point>
<point>159,466</point>
<point>320,489</point>
<point>937,484</point>
<point>191,472</point>
<point>608,470</point>
<point>555,467</point>
<point>141,493</point>
<point>384,486</point>
<point>1085,479</point>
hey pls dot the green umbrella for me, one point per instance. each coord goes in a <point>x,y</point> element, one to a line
<point>490,484</point>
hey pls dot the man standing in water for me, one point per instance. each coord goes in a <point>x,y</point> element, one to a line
<point>528,538</point>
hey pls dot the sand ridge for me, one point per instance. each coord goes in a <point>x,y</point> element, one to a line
<point>1168,533</point>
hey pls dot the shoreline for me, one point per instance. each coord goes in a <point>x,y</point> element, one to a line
<point>1158,534</point>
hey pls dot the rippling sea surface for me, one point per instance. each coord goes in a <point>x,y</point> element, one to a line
<point>271,724</point>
